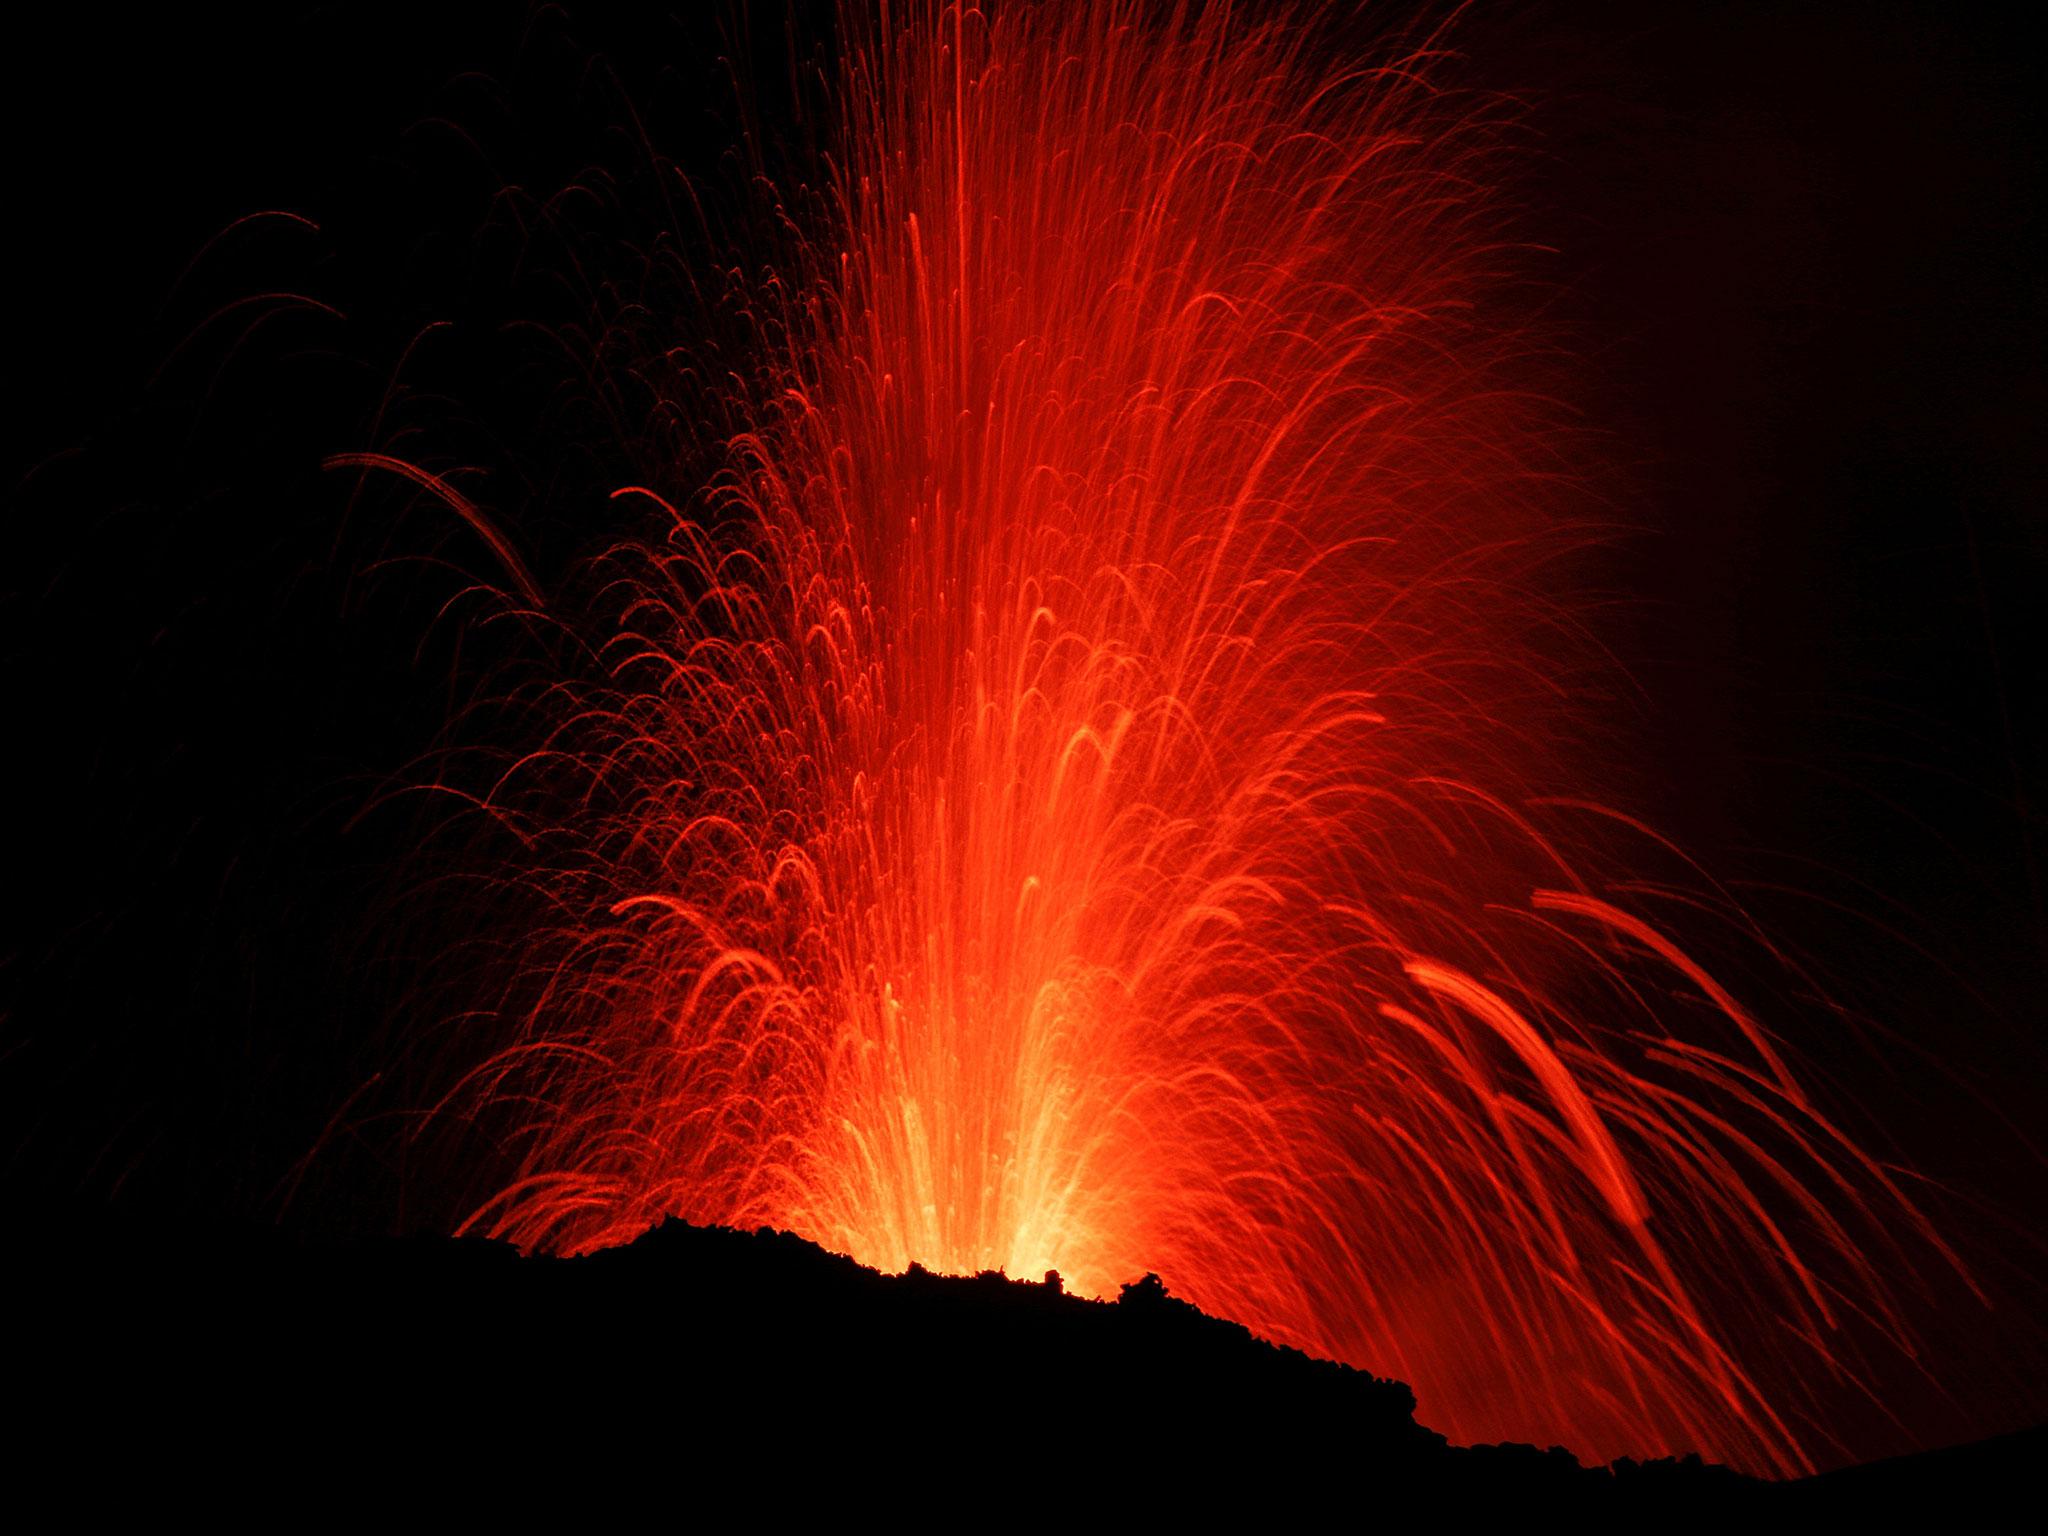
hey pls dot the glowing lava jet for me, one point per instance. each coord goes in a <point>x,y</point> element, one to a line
<point>1088,784</point>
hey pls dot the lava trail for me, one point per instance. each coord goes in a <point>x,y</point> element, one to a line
<point>1096,778</point>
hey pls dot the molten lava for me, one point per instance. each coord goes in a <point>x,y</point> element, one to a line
<point>1089,786</point>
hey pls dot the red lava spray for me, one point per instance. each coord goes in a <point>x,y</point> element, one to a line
<point>1077,789</point>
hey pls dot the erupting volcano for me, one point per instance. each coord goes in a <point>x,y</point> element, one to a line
<point>1103,773</point>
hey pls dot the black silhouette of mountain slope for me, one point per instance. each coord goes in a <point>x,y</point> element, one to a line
<point>697,1363</point>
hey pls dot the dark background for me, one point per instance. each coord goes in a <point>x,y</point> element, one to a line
<point>1797,251</point>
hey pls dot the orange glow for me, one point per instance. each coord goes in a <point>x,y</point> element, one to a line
<point>1069,794</point>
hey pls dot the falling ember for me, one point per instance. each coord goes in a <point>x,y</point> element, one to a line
<point>1080,788</point>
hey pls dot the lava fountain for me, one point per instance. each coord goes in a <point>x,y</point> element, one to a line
<point>1087,782</point>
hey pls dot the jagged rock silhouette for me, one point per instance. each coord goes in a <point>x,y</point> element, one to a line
<point>713,1359</point>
